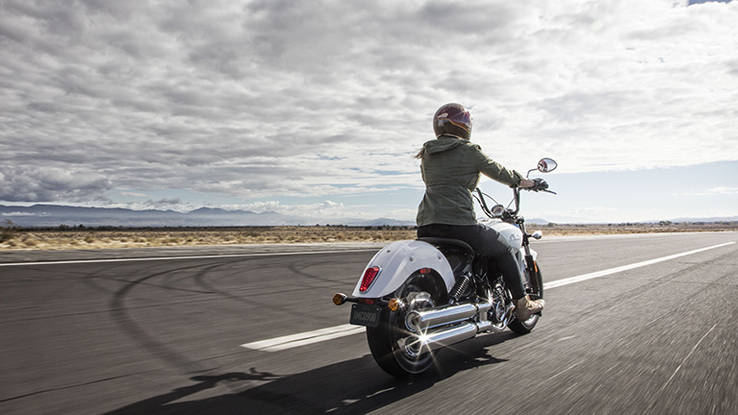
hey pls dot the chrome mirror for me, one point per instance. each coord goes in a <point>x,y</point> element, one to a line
<point>546,165</point>
<point>497,210</point>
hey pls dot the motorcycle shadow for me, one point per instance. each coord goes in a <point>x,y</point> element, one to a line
<point>352,386</point>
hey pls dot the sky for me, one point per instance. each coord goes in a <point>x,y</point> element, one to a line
<point>317,108</point>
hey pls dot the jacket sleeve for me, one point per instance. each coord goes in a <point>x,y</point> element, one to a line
<point>493,169</point>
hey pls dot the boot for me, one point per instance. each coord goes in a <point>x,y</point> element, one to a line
<point>525,307</point>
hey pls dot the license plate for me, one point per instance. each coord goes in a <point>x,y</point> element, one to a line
<point>365,314</point>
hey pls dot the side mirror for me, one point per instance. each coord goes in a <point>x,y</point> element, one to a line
<point>546,165</point>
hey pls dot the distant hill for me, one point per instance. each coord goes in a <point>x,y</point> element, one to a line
<point>54,215</point>
<point>704,220</point>
<point>43,215</point>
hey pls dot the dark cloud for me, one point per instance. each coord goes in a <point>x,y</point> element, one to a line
<point>22,184</point>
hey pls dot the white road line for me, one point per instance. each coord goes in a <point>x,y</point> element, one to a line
<point>300,339</point>
<point>329,333</point>
<point>172,258</point>
<point>591,275</point>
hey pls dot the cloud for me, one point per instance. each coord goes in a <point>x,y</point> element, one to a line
<point>33,184</point>
<point>18,214</point>
<point>133,194</point>
<point>261,99</point>
<point>713,191</point>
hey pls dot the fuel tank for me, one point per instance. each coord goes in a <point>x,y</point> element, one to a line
<point>510,235</point>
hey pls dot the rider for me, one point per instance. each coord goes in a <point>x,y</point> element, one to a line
<point>450,166</point>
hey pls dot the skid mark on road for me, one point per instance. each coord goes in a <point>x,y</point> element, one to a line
<point>119,312</point>
<point>687,357</point>
<point>173,258</point>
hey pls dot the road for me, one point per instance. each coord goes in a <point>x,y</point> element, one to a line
<point>165,336</point>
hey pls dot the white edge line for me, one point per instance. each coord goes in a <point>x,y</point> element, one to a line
<point>329,333</point>
<point>591,275</point>
<point>171,258</point>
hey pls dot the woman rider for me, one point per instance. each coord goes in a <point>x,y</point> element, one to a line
<point>450,166</point>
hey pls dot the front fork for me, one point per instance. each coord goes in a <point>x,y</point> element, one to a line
<point>530,264</point>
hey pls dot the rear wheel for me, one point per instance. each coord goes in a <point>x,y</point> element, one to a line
<point>535,291</point>
<point>392,345</point>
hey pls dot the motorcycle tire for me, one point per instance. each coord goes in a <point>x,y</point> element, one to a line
<point>386,340</point>
<point>536,285</point>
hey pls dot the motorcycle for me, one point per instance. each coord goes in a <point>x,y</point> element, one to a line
<point>417,296</point>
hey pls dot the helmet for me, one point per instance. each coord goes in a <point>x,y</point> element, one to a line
<point>452,119</point>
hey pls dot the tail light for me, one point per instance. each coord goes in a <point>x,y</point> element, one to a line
<point>369,276</point>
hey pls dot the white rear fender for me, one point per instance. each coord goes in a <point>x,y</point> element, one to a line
<point>397,261</point>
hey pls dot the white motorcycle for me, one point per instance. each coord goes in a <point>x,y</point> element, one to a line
<point>416,296</point>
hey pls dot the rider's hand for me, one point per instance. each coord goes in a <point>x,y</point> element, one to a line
<point>539,184</point>
<point>526,183</point>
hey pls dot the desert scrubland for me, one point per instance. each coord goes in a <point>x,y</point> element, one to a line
<point>96,238</point>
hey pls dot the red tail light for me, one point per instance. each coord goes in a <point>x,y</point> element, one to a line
<point>369,275</point>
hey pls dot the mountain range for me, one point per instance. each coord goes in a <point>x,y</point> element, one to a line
<point>43,215</point>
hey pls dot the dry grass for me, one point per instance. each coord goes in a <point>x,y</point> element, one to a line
<point>623,228</point>
<point>132,238</point>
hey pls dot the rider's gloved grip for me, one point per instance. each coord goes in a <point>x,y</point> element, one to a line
<point>539,184</point>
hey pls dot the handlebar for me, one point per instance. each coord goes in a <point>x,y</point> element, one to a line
<point>516,199</point>
<point>545,165</point>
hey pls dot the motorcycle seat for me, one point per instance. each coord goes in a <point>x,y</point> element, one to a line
<point>450,243</point>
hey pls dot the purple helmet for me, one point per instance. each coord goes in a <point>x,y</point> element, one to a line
<point>452,119</point>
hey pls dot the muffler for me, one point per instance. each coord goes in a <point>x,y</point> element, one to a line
<point>420,321</point>
<point>447,337</point>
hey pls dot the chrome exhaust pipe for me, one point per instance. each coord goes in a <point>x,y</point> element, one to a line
<point>417,321</point>
<point>447,337</point>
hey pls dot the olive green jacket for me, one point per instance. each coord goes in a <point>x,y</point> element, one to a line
<point>450,168</point>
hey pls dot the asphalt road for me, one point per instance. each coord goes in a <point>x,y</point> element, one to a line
<point>164,336</point>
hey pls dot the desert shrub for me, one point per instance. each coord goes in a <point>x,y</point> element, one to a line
<point>7,231</point>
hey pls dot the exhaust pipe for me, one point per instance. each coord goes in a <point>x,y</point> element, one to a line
<point>417,321</point>
<point>443,338</point>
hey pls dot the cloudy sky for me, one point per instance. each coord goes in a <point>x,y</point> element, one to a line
<point>316,107</point>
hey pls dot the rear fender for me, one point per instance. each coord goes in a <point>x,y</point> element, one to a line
<point>398,261</point>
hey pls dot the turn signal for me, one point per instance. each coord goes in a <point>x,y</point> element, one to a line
<point>339,299</point>
<point>394,304</point>
<point>369,275</point>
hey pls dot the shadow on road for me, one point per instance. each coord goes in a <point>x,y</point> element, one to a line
<point>352,386</point>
